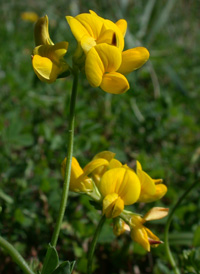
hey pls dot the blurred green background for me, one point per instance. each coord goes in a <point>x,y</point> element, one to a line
<point>157,122</point>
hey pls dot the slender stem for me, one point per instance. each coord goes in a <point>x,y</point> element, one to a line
<point>15,256</point>
<point>167,248</point>
<point>93,244</point>
<point>68,163</point>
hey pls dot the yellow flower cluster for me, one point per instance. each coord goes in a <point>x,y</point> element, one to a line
<point>100,41</point>
<point>115,185</point>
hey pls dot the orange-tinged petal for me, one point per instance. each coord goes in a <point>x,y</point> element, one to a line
<point>133,59</point>
<point>122,25</point>
<point>45,69</point>
<point>156,213</point>
<point>121,181</point>
<point>114,83</point>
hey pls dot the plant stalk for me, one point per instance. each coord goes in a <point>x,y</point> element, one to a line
<point>64,197</point>
<point>93,244</point>
<point>166,237</point>
<point>15,256</point>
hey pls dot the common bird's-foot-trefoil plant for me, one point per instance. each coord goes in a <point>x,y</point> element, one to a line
<point>100,55</point>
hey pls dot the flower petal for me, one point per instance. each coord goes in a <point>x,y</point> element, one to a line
<point>110,57</point>
<point>78,30</point>
<point>94,68</point>
<point>87,42</point>
<point>122,25</point>
<point>76,171</point>
<point>113,205</point>
<point>114,83</point>
<point>92,23</point>
<point>123,182</point>
<point>45,69</point>
<point>133,59</point>
<point>156,213</point>
<point>139,235</point>
<point>41,32</point>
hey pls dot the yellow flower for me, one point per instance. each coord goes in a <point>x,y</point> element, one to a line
<point>151,190</point>
<point>119,187</point>
<point>103,42</point>
<point>29,16</point>
<point>89,29</point>
<point>47,61</point>
<point>141,234</point>
<point>112,163</point>
<point>76,185</point>
<point>79,180</point>
<point>101,65</point>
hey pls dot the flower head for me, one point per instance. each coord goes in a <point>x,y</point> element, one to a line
<point>141,234</point>
<point>48,62</point>
<point>89,29</point>
<point>103,42</point>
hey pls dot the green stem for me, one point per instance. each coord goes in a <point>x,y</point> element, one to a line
<point>15,256</point>
<point>64,197</point>
<point>93,244</point>
<point>166,237</point>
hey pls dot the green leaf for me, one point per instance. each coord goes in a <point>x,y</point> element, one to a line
<point>65,268</point>
<point>51,260</point>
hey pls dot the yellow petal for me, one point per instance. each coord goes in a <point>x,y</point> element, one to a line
<point>45,69</point>
<point>76,171</point>
<point>41,32</point>
<point>148,188</point>
<point>110,57</point>
<point>114,163</point>
<point>114,83</point>
<point>87,43</point>
<point>107,36</point>
<point>109,25</point>
<point>94,68</point>
<point>60,49</point>
<point>121,181</point>
<point>89,168</point>
<point>78,30</point>
<point>138,166</point>
<point>133,59</point>
<point>140,236</point>
<point>156,213</point>
<point>108,155</point>
<point>113,205</point>
<point>154,241</point>
<point>91,23</point>
<point>122,25</point>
